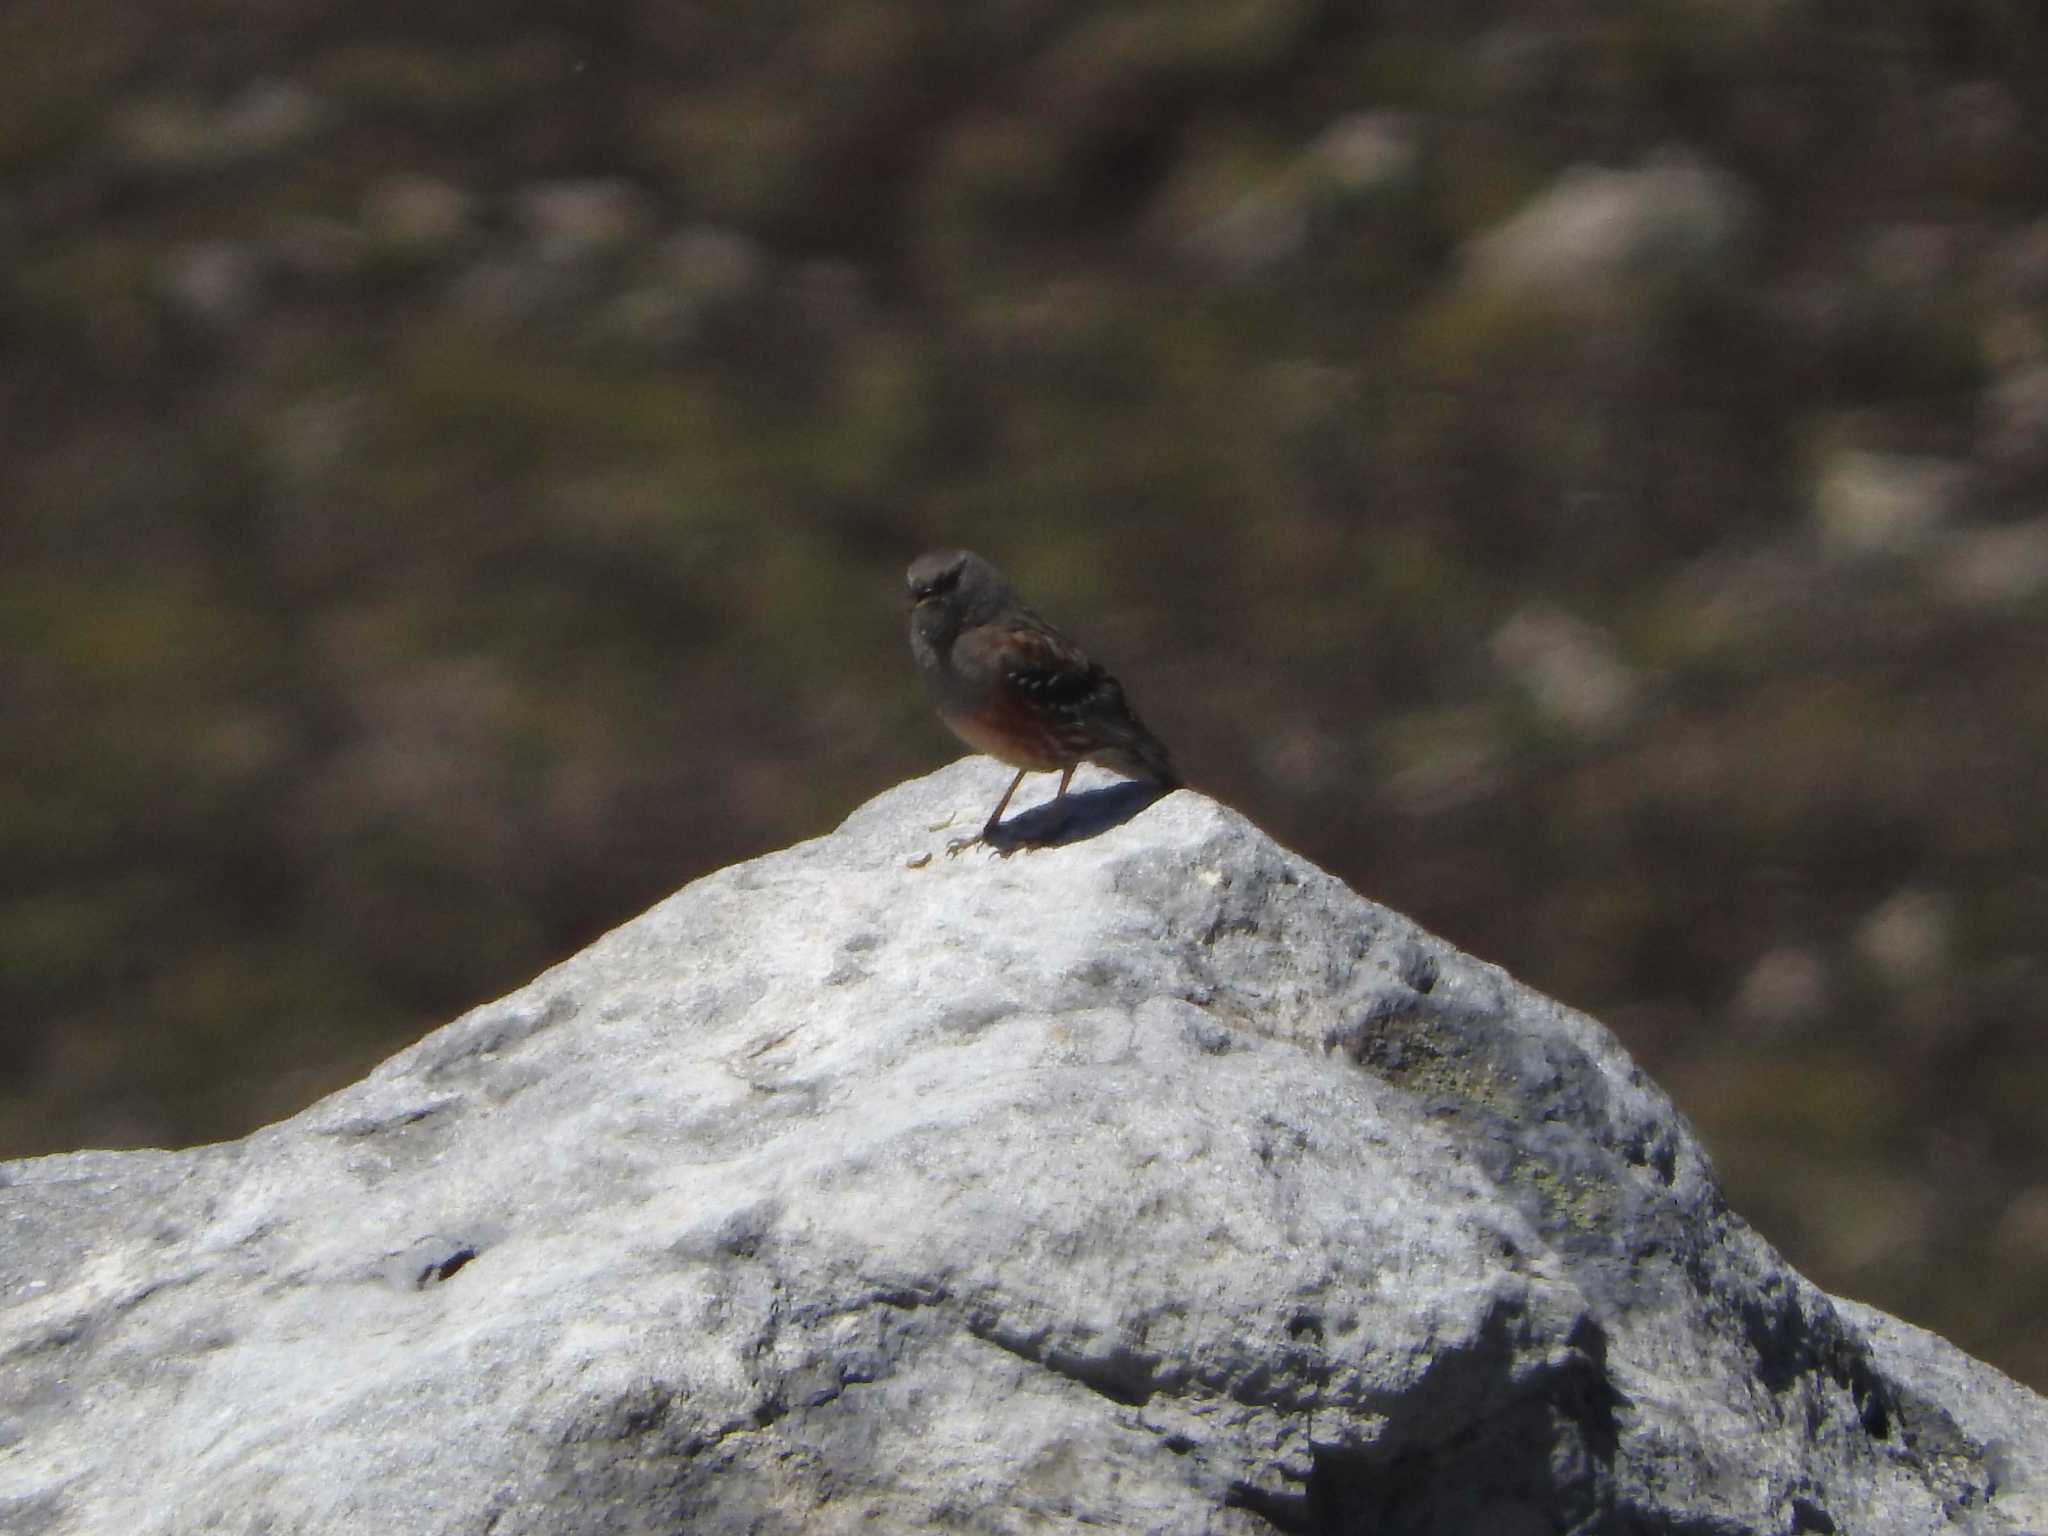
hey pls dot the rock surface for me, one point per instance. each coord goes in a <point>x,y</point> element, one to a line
<point>1151,1182</point>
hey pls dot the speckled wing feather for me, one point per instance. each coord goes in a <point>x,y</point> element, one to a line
<point>1077,708</point>
<point>1040,661</point>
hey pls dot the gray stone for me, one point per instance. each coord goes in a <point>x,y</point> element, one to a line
<point>574,222</point>
<point>1242,224</point>
<point>1599,236</point>
<point>1368,154</point>
<point>1786,992</point>
<point>1151,1182</point>
<point>2014,435</point>
<point>417,216</point>
<point>1871,505</point>
<point>1570,670</point>
<point>2001,566</point>
<point>177,133</point>
<point>268,117</point>
<point>216,284</point>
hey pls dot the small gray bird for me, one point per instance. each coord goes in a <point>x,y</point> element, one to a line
<point>1007,683</point>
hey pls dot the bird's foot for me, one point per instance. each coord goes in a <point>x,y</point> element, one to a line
<point>996,837</point>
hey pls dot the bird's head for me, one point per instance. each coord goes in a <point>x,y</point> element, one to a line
<point>950,590</point>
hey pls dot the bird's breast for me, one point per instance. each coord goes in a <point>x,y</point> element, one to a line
<point>1020,736</point>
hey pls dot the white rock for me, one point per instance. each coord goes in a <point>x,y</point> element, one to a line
<point>267,117</point>
<point>1883,504</point>
<point>572,222</point>
<point>1995,567</point>
<point>1365,153</point>
<point>215,283</point>
<point>1785,993</point>
<point>1907,939</point>
<point>1151,1183</point>
<point>1255,233</point>
<point>1570,669</point>
<point>710,264</point>
<point>1600,234</point>
<point>2014,435</point>
<point>417,214</point>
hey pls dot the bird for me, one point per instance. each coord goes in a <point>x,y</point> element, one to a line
<point>1010,685</point>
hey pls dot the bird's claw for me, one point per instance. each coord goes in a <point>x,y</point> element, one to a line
<point>1001,847</point>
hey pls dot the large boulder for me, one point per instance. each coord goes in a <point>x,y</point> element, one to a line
<point>1154,1181</point>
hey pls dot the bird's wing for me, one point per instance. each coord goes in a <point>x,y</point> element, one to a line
<point>1044,664</point>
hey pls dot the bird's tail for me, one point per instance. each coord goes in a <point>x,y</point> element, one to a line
<point>1138,754</point>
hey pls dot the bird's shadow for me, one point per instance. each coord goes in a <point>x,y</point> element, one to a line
<point>1075,818</point>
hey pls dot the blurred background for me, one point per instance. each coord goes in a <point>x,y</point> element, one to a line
<point>1579,471</point>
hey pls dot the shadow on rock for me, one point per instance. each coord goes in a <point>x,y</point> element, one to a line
<point>1087,814</point>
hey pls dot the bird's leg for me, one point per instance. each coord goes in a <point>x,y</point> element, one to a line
<point>997,815</point>
<point>1060,796</point>
<point>1003,804</point>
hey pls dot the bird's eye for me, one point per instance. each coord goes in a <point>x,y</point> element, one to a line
<point>934,584</point>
